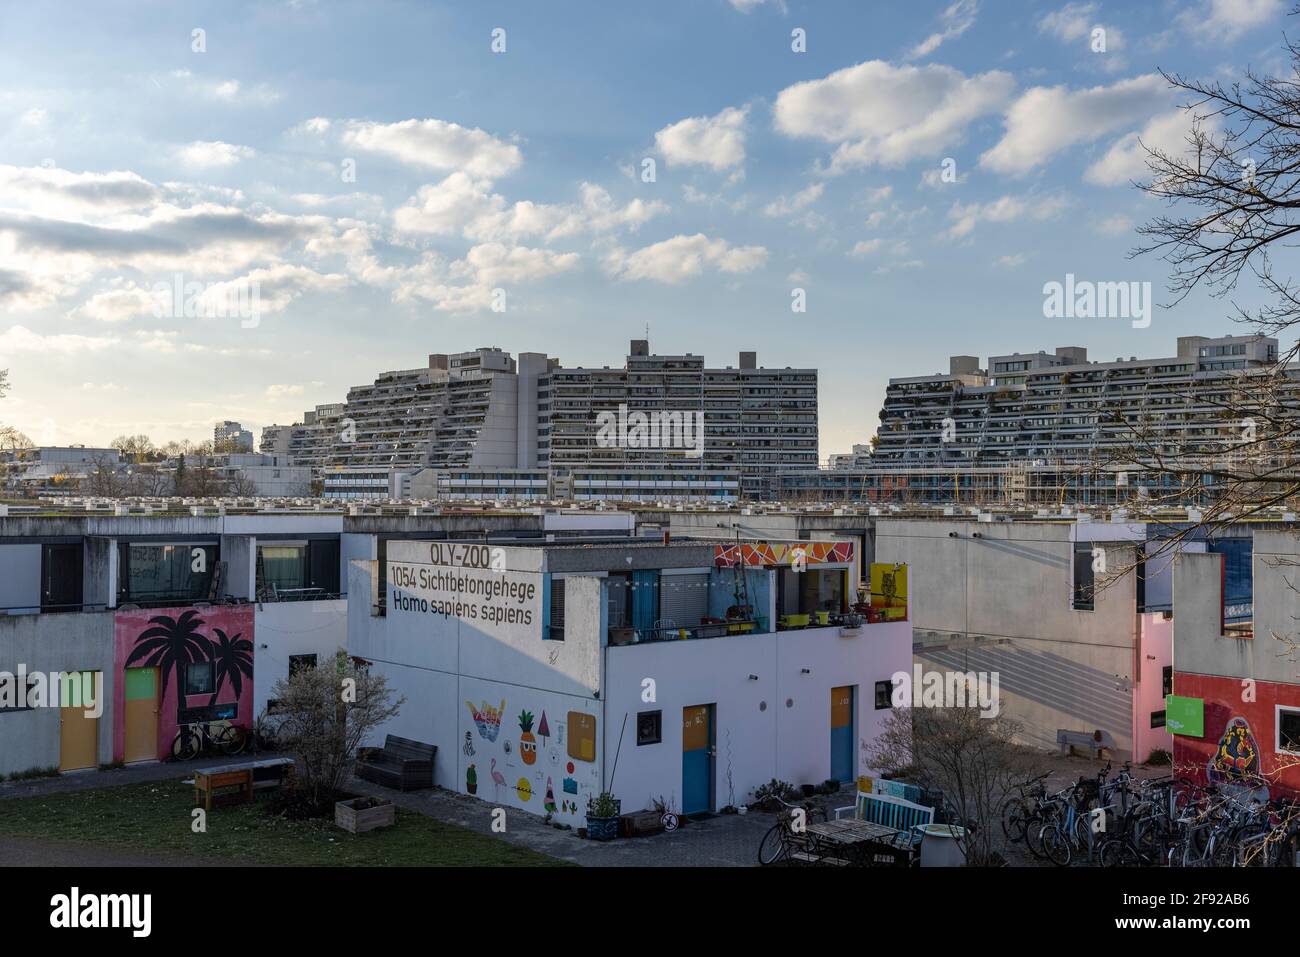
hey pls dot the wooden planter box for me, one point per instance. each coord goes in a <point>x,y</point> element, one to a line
<point>358,820</point>
<point>641,823</point>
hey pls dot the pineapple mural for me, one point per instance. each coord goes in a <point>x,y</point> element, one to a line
<point>527,743</point>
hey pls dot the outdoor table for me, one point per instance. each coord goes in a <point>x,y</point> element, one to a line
<point>858,842</point>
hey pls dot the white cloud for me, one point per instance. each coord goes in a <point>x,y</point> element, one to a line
<point>1072,22</point>
<point>956,20</point>
<point>213,154</point>
<point>747,6</point>
<point>1116,225</point>
<point>714,141</point>
<point>684,257</point>
<point>789,205</point>
<point>278,391</point>
<point>1006,209</point>
<point>435,144</point>
<point>880,113</point>
<point>879,194</point>
<point>1046,120</point>
<point>1225,20</point>
<point>61,194</point>
<point>1010,262</point>
<point>1126,159</point>
<point>34,117</point>
<point>225,91</point>
<point>22,339</point>
<point>459,204</point>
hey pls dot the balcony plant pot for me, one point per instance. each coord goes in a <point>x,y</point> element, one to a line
<point>361,814</point>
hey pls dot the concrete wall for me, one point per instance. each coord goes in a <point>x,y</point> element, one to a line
<point>1003,602</point>
<point>73,641</point>
<point>1157,652</point>
<point>774,725</point>
<point>468,685</point>
<point>293,628</point>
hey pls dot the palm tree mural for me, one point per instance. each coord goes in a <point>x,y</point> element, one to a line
<point>232,658</point>
<point>170,645</point>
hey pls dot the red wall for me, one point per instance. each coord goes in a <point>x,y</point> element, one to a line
<point>1223,704</point>
<point>235,621</point>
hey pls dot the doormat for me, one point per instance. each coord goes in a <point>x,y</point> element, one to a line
<point>700,816</point>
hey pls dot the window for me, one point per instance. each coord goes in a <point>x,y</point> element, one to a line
<point>555,627</point>
<point>1157,719</point>
<point>1288,729</point>
<point>1167,678</point>
<point>649,727</point>
<point>299,663</point>
<point>884,695</point>
<point>199,678</point>
<point>164,573</point>
<point>1083,580</point>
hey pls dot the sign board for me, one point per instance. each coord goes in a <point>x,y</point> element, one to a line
<point>1185,716</point>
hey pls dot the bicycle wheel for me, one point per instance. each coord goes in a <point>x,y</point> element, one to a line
<point>1015,816</point>
<point>230,739</point>
<point>1034,835</point>
<point>1118,852</point>
<point>1056,845</point>
<point>772,848</point>
<point>185,745</point>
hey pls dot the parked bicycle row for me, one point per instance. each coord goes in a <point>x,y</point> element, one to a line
<point>1126,822</point>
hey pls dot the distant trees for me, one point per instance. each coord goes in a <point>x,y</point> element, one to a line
<point>137,448</point>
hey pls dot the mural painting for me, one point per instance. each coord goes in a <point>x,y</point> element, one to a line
<point>203,663</point>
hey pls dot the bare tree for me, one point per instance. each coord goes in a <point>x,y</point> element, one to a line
<point>329,710</point>
<point>971,758</point>
<point>105,479</point>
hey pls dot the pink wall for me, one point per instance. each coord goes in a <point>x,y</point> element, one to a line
<point>1157,651</point>
<point>235,622</point>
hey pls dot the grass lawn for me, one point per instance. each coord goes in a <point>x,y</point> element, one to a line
<point>156,816</point>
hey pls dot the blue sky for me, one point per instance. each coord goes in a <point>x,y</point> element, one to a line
<point>128,157</point>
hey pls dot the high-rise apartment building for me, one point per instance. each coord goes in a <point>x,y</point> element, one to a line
<point>1060,408</point>
<point>231,436</point>
<point>484,411</point>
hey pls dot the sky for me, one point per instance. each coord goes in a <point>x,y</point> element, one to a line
<point>399,179</point>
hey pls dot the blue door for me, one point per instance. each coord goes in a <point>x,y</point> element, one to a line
<point>842,733</point>
<point>697,758</point>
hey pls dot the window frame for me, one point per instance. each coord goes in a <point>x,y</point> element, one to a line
<point>1278,710</point>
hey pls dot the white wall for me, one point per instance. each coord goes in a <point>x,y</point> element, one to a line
<point>281,629</point>
<point>758,736</point>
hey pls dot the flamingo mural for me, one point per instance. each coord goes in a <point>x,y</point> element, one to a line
<point>498,778</point>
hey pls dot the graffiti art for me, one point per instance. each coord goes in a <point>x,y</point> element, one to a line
<point>487,719</point>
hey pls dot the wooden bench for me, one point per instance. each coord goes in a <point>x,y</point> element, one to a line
<point>401,763</point>
<point>893,812</point>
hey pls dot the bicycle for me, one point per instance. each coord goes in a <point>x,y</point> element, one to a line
<point>1019,810</point>
<point>193,739</point>
<point>783,836</point>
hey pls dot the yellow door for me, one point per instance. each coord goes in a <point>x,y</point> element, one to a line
<point>141,714</point>
<point>78,736</point>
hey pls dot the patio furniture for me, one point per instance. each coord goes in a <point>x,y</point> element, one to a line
<point>905,817</point>
<point>851,842</point>
<point>401,763</point>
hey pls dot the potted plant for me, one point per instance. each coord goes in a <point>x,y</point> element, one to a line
<point>602,817</point>
<point>361,814</point>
